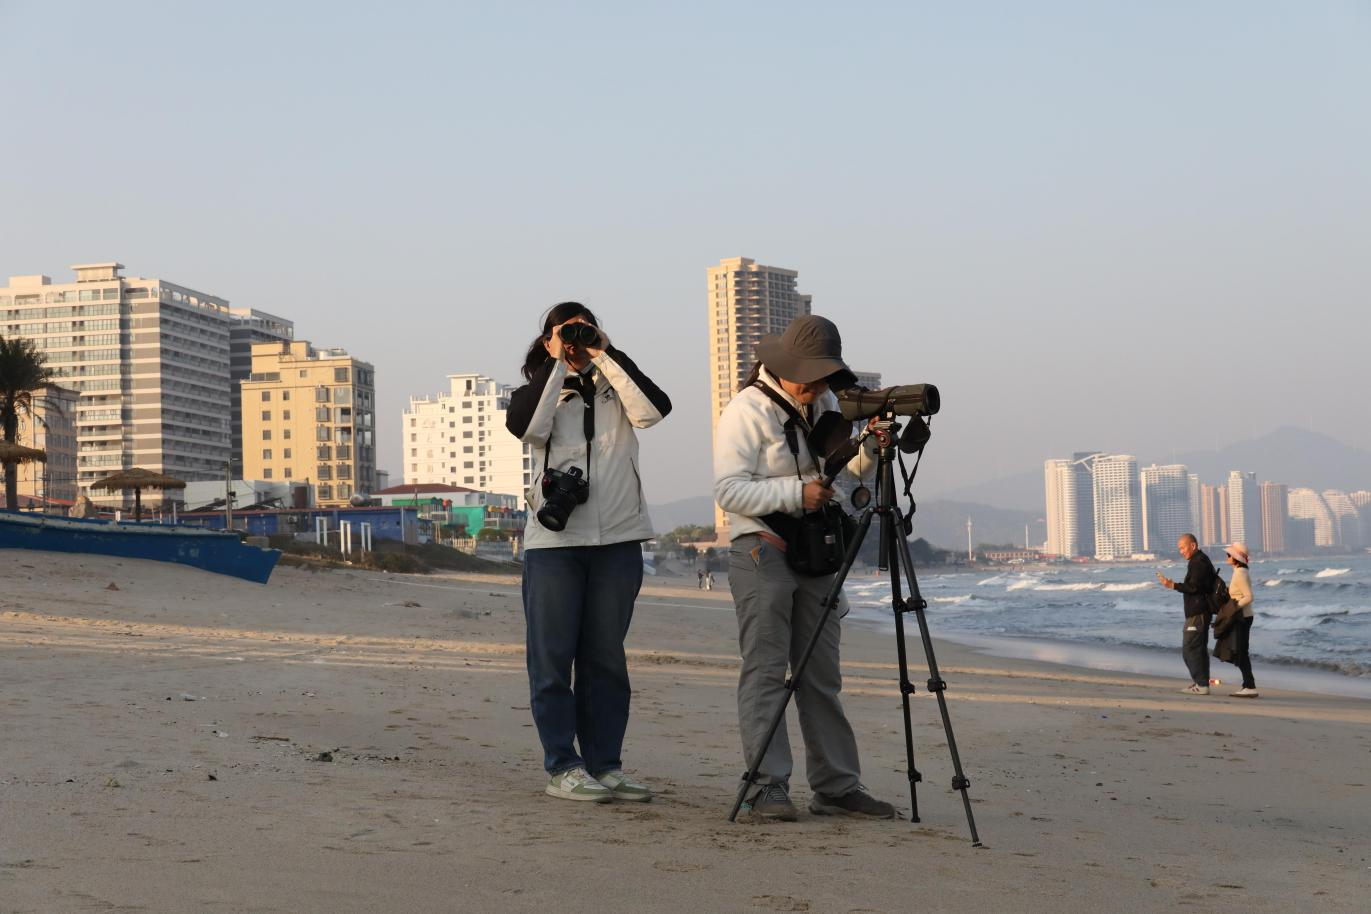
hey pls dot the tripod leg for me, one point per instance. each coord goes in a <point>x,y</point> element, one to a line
<point>830,601</point>
<point>936,684</point>
<point>889,533</point>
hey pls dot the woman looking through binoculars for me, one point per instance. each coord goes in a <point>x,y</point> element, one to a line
<point>583,563</point>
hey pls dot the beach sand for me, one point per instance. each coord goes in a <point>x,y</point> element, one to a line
<point>1092,791</point>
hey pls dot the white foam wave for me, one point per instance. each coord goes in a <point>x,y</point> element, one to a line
<point>1083,585</point>
<point>1124,588</point>
<point>962,599</point>
<point>1273,582</point>
<point>1023,584</point>
<point>1332,572</point>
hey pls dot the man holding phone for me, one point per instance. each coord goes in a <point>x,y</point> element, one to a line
<point>1196,588</point>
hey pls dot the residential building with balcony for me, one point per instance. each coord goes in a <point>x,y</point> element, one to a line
<point>149,360</point>
<point>310,415</point>
<point>458,438</point>
<point>50,427</point>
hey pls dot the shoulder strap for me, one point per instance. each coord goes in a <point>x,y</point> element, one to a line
<point>794,421</point>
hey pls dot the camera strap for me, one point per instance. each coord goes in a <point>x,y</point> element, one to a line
<point>585,386</point>
<point>794,422</point>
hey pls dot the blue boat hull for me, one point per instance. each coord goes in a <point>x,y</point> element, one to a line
<point>208,550</point>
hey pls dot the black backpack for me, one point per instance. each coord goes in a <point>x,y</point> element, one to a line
<point>1219,598</point>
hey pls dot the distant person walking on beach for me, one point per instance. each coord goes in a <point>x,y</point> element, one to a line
<point>757,473</point>
<point>1240,591</point>
<point>1197,589</point>
<point>701,576</point>
<point>709,580</point>
<point>583,563</point>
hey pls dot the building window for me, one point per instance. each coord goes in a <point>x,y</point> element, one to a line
<point>285,395</point>
<point>325,492</point>
<point>266,415</point>
<point>266,453</point>
<point>467,465</point>
<point>286,455</point>
<point>266,434</point>
<point>287,472</point>
<point>266,396</point>
<point>266,474</point>
<point>467,449</point>
<point>285,416</point>
<point>340,374</point>
<point>468,479</point>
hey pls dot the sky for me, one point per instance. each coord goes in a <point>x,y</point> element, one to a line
<point>1140,228</point>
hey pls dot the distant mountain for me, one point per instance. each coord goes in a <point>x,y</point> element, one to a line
<point>1289,455</point>
<point>673,514</point>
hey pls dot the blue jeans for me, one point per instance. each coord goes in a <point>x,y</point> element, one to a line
<point>578,602</point>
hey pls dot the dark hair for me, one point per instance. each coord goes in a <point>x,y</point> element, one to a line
<point>1238,563</point>
<point>558,314</point>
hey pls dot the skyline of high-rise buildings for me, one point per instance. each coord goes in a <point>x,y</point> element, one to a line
<point>1170,501</point>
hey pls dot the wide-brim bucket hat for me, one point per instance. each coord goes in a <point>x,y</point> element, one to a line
<point>810,350</point>
<point>1237,551</point>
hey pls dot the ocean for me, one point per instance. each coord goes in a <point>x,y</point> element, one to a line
<point>1312,613</point>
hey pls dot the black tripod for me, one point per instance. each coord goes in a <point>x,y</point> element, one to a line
<point>887,432</point>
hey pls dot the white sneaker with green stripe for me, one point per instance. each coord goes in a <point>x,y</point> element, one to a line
<point>623,787</point>
<point>577,784</point>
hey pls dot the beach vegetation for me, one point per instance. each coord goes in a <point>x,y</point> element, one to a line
<point>23,369</point>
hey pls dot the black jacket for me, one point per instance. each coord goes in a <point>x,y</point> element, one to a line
<point>1198,586</point>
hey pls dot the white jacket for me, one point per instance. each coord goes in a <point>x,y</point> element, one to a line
<point>625,399</point>
<point>754,471</point>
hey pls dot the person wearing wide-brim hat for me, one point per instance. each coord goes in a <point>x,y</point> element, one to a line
<point>757,474</point>
<point>1240,591</point>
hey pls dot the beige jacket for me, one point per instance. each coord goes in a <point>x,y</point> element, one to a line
<point>1240,590</point>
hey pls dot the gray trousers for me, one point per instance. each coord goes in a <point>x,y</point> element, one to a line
<point>1195,649</point>
<point>777,612</point>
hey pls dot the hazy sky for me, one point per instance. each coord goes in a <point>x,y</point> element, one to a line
<point>1134,227</point>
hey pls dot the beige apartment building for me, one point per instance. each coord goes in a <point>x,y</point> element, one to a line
<point>149,360</point>
<point>309,415</point>
<point>748,301</point>
<point>248,327</point>
<point>51,428</point>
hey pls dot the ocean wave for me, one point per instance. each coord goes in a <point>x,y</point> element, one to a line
<point>1123,588</point>
<point>1332,572</point>
<point>955,600</point>
<point>1080,585</point>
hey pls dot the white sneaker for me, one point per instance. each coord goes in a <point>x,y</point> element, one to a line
<point>1244,693</point>
<point>577,784</point>
<point>1193,689</point>
<point>623,787</point>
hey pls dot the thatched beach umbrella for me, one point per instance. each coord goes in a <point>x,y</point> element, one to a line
<point>138,479</point>
<point>17,453</point>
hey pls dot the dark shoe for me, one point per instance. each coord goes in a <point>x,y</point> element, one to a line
<point>772,802</point>
<point>855,803</point>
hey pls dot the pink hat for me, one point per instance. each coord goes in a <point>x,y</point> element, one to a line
<point>1237,551</point>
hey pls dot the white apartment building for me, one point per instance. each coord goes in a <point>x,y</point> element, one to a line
<point>458,438</point>
<point>149,359</point>
<point>1346,518</point>
<point>1245,511</point>
<point>1059,478</point>
<point>1118,512</point>
<point>1166,507</point>
<point>1307,504</point>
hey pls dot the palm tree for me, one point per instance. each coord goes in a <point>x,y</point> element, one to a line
<point>22,370</point>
